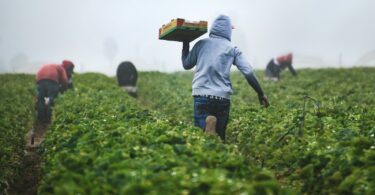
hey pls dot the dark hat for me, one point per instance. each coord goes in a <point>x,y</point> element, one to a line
<point>67,64</point>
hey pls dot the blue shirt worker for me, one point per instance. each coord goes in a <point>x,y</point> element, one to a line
<point>212,58</point>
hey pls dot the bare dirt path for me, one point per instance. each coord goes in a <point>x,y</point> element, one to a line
<point>28,182</point>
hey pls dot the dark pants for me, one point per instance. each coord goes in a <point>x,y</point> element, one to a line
<point>46,89</point>
<point>273,70</point>
<point>204,106</point>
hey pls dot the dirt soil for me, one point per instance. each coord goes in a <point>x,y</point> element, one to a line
<point>28,182</point>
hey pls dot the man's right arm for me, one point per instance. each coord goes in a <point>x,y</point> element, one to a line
<point>189,59</point>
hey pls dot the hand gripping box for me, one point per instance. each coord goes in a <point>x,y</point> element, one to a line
<point>182,30</point>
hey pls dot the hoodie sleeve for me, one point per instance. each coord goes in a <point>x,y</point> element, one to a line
<point>244,66</point>
<point>189,59</point>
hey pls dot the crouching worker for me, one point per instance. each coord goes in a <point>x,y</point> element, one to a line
<point>212,58</point>
<point>50,79</point>
<point>127,77</point>
<point>276,65</point>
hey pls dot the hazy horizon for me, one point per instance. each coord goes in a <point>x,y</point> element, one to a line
<point>97,35</point>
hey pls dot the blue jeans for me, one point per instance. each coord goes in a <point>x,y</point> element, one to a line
<point>44,89</point>
<point>204,106</point>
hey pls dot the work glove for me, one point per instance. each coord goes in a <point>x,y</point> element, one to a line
<point>263,100</point>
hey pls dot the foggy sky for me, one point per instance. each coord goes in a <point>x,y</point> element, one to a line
<point>98,34</point>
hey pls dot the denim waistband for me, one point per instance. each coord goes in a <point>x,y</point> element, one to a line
<point>212,97</point>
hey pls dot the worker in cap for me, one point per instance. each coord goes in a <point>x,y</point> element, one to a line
<point>276,65</point>
<point>50,79</point>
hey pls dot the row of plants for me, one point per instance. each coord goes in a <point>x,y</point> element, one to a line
<point>16,118</point>
<point>317,136</point>
<point>102,141</point>
<point>168,93</point>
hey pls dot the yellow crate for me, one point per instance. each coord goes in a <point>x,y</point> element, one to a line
<point>182,30</point>
<point>167,27</point>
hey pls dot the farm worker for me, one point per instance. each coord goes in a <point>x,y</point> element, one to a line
<point>276,65</point>
<point>127,77</point>
<point>212,58</point>
<point>50,79</point>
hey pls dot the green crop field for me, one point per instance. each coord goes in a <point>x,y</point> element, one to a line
<point>317,137</point>
<point>16,93</point>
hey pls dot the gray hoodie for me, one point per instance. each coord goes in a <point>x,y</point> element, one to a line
<point>213,58</point>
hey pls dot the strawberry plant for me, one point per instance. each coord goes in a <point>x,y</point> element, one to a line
<point>16,107</point>
<point>104,142</point>
<point>317,137</point>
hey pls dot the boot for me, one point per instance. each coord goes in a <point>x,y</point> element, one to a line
<point>211,125</point>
